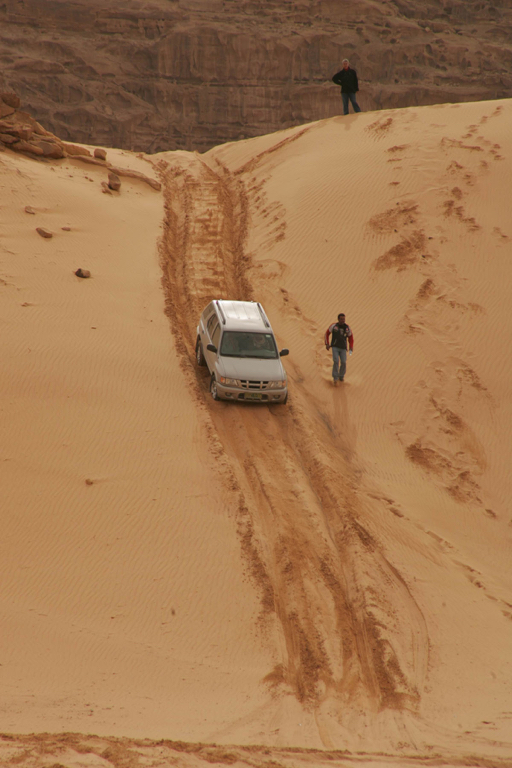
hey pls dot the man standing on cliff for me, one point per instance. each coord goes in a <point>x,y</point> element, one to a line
<point>347,78</point>
<point>341,334</point>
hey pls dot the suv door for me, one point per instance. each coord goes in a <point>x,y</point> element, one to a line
<point>213,332</point>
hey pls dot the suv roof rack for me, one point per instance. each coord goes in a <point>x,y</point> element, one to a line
<point>221,313</point>
<point>263,315</point>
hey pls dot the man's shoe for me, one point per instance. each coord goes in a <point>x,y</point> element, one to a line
<point>335,381</point>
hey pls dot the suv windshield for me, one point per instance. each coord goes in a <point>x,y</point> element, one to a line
<point>242,344</point>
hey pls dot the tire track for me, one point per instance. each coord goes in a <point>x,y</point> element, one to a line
<point>349,630</point>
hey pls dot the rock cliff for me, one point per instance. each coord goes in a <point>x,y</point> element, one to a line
<point>154,75</point>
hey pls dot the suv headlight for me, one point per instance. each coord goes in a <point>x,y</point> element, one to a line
<point>230,382</point>
<point>277,384</point>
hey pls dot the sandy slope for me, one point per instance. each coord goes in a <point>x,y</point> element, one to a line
<point>330,574</point>
<point>118,592</point>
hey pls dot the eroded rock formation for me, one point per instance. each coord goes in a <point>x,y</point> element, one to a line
<point>153,75</point>
<point>20,132</point>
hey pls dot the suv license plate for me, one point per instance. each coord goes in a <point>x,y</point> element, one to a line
<point>253,396</point>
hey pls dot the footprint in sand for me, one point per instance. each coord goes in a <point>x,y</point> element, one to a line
<point>380,127</point>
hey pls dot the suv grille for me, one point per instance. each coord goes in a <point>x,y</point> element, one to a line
<point>246,384</point>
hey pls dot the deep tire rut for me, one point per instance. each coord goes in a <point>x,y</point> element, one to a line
<point>350,631</point>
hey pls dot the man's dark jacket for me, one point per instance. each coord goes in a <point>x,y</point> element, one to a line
<point>347,78</point>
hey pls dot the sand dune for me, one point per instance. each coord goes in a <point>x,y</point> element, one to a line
<point>330,575</point>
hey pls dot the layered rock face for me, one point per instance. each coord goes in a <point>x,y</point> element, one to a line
<point>190,74</point>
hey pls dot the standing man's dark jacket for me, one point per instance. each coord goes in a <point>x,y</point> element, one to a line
<point>347,78</point>
<point>341,333</point>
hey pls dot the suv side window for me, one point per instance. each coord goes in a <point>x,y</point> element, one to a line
<point>211,322</point>
<point>216,335</point>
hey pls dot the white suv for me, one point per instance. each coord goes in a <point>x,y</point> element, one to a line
<point>235,340</point>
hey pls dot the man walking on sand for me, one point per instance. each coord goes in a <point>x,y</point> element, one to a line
<point>341,334</point>
<point>347,78</point>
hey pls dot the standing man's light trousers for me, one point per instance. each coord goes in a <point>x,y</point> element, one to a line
<point>339,363</point>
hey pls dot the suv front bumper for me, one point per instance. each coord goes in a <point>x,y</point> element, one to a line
<point>251,395</point>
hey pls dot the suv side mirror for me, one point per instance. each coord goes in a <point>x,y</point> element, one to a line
<point>211,347</point>
<point>284,352</point>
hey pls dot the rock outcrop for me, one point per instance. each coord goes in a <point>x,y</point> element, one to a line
<point>153,75</point>
<point>20,132</point>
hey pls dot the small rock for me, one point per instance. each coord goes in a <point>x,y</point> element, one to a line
<point>6,138</point>
<point>66,229</point>
<point>51,149</point>
<point>89,481</point>
<point>26,146</point>
<point>24,132</point>
<point>38,129</point>
<point>82,273</point>
<point>11,99</point>
<point>105,189</point>
<point>29,209</point>
<point>75,149</point>
<point>101,154</point>
<point>114,182</point>
<point>5,110</point>
<point>44,232</point>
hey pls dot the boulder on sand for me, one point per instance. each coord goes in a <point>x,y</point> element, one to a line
<point>114,182</point>
<point>44,232</point>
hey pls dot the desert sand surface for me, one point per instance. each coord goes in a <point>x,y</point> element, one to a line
<point>186,580</point>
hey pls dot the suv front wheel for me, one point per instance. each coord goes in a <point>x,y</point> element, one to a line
<point>199,352</point>
<point>213,387</point>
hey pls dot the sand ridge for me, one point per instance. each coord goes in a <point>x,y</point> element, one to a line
<point>339,566</point>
